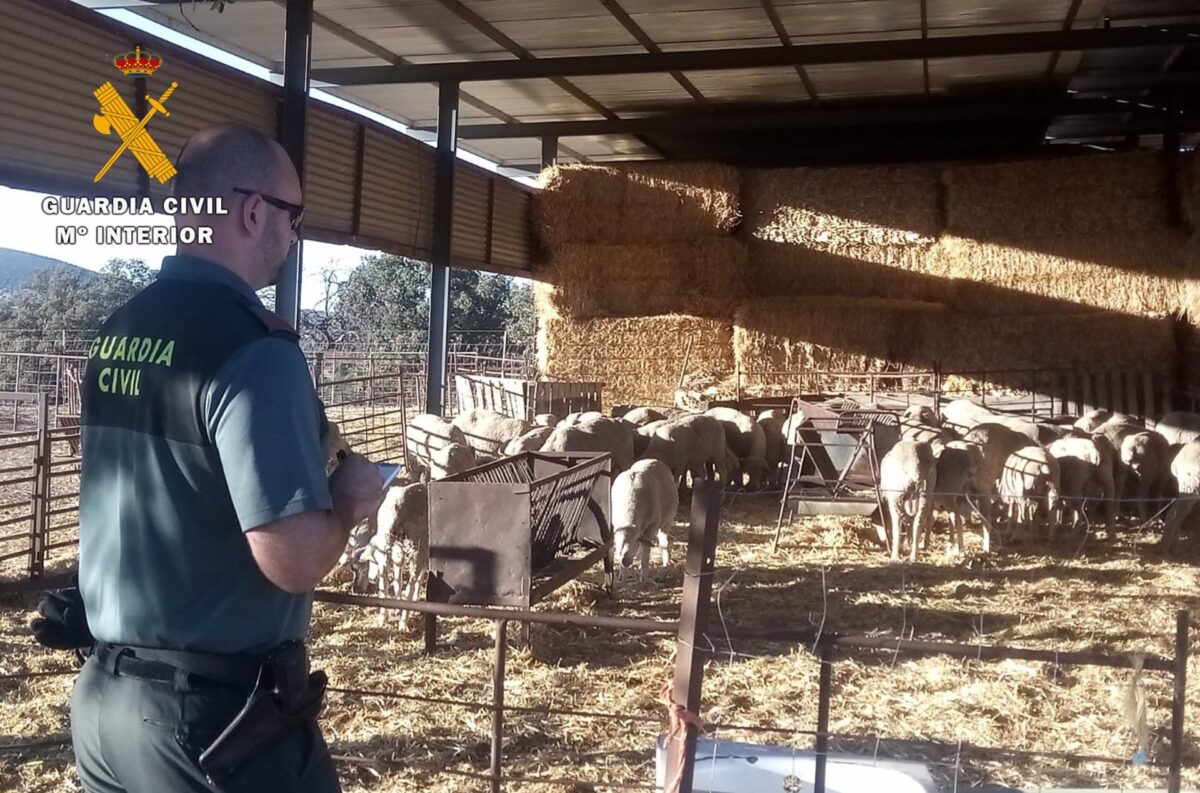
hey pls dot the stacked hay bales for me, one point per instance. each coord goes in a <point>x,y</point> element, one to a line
<point>584,281</point>
<point>639,359</point>
<point>636,204</point>
<point>832,334</point>
<point>1040,264</point>
<point>1052,263</point>
<point>842,231</point>
<point>637,262</point>
<point>1071,235</point>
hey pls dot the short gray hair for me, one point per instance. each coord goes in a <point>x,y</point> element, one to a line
<point>218,159</point>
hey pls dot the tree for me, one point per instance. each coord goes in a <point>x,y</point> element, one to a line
<point>387,296</point>
<point>58,298</point>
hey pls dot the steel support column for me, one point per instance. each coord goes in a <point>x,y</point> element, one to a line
<point>296,65</point>
<point>549,151</point>
<point>443,229</point>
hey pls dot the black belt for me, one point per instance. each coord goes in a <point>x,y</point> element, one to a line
<point>173,666</point>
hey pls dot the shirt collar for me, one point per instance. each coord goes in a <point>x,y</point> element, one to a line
<point>193,268</point>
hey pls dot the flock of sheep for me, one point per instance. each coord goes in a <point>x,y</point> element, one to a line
<point>652,454</point>
<point>1033,474</point>
<point>1006,470</point>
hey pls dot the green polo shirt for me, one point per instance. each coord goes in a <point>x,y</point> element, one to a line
<point>200,423</point>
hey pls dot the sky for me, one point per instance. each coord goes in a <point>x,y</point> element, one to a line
<point>28,228</point>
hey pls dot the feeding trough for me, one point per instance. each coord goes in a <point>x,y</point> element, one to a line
<point>510,532</point>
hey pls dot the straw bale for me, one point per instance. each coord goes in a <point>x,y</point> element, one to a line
<point>639,359</point>
<point>706,279</point>
<point>1141,274</point>
<point>1067,200</point>
<point>881,271</point>
<point>789,334</point>
<point>849,212</point>
<point>636,204</point>
<point>1107,340</point>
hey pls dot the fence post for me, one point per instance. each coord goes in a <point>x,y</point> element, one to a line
<point>1182,621</point>
<point>498,703</point>
<point>825,691</point>
<point>693,624</point>
<point>41,490</point>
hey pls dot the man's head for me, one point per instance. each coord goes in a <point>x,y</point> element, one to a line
<point>256,180</point>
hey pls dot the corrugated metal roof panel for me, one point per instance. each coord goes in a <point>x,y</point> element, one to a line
<point>330,167</point>
<point>510,226</point>
<point>845,80</point>
<point>747,85</point>
<point>472,216</point>
<point>397,202</point>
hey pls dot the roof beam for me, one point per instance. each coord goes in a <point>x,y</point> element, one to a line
<point>614,8</point>
<point>781,31</point>
<point>473,19</point>
<point>1068,23</point>
<point>528,67</point>
<point>826,117</point>
<point>383,53</point>
<point>924,36</point>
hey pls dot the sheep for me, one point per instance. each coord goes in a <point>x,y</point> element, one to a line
<point>746,439</point>
<point>1031,474</point>
<point>774,455</point>
<point>1086,468</point>
<point>1185,469</point>
<point>424,435</point>
<point>574,419</point>
<point>545,420</point>
<point>488,432</point>
<point>1145,468</point>
<point>529,442</point>
<point>1117,426</point>
<point>920,423</point>
<point>641,416</point>
<point>1179,428</point>
<point>644,503</point>
<point>670,444</point>
<point>1089,422</point>
<point>395,556</point>
<point>964,415</point>
<point>907,474</point>
<point>957,478</point>
<point>776,414</point>
<point>708,446</point>
<point>996,442</point>
<point>451,459</point>
<point>336,447</point>
<point>600,434</point>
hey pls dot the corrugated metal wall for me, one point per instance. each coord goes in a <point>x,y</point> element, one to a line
<point>364,183</point>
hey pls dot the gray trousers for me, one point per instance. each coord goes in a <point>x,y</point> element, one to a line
<point>142,736</point>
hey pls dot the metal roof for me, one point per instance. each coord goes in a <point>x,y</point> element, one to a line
<point>493,34</point>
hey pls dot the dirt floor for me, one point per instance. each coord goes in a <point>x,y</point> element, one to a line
<point>1118,597</point>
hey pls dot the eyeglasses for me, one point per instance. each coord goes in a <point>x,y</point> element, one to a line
<point>295,211</point>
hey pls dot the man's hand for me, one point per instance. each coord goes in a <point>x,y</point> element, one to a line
<point>63,622</point>
<point>356,488</point>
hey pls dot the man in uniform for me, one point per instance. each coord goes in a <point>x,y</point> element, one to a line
<point>206,515</point>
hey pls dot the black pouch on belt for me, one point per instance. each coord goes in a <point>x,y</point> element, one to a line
<point>285,697</point>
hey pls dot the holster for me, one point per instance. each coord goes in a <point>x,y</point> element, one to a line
<point>285,697</point>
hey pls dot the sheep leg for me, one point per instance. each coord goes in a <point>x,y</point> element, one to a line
<point>664,547</point>
<point>895,513</point>
<point>957,519</point>
<point>920,521</point>
<point>1176,516</point>
<point>643,559</point>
